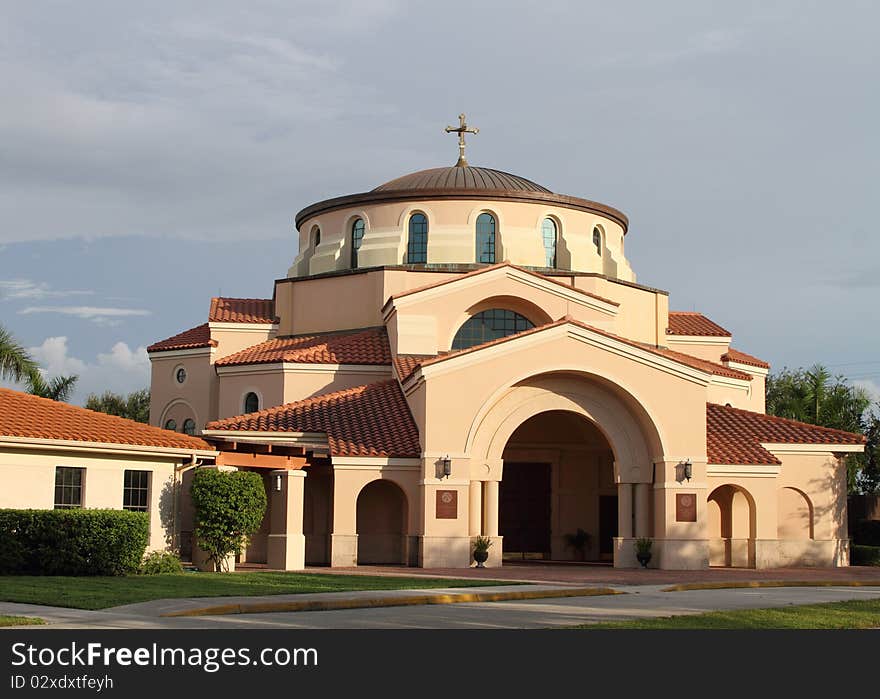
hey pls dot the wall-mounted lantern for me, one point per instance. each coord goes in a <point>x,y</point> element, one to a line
<point>444,467</point>
<point>684,470</point>
<point>278,483</point>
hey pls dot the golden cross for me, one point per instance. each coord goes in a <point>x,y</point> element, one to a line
<point>461,130</point>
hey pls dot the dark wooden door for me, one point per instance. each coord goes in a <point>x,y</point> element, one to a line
<point>524,508</point>
<point>607,523</point>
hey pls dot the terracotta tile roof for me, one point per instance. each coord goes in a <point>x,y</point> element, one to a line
<point>406,364</point>
<point>704,364</point>
<point>492,268</point>
<point>24,415</point>
<point>199,336</point>
<point>369,346</point>
<point>689,323</point>
<point>229,310</point>
<point>413,362</point>
<point>370,420</point>
<point>734,355</point>
<point>734,436</point>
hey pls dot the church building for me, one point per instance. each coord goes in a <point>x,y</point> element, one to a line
<point>461,352</point>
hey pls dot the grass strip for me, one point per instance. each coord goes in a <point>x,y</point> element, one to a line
<point>732,585</point>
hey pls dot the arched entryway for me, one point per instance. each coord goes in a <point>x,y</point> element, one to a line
<point>731,522</point>
<point>381,524</point>
<point>558,480</point>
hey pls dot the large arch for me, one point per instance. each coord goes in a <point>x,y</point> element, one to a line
<point>731,527</point>
<point>794,515</point>
<point>631,433</point>
<point>382,514</point>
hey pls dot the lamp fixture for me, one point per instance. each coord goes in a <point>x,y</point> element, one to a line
<point>684,470</point>
<point>444,467</point>
<point>277,482</point>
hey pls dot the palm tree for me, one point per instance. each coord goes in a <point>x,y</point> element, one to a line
<point>57,388</point>
<point>15,363</point>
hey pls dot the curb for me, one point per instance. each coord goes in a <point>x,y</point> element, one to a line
<point>685,587</point>
<point>319,605</point>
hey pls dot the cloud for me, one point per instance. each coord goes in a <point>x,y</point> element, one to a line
<point>96,314</point>
<point>871,386</point>
<point>33,291</point>
<point>121,369</point>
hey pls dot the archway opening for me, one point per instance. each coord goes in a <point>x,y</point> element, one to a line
<point>381,524</point>
<point>731,521</point>
<point>557,485</point>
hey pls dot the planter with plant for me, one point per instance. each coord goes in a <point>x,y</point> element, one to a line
<point>643,550</point>
<point>481,550</point>
<point>579,542</point>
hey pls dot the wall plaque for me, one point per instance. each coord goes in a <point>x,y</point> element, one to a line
<point>685,507</point>
<point>447,504</point>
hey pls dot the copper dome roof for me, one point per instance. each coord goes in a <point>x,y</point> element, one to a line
<point>461,177</point>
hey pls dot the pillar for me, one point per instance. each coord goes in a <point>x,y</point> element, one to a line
<point>643,509</point>
<point>287,543</point>
<point>624,510</point>
<point>491,509</point>
<point>475,508</point>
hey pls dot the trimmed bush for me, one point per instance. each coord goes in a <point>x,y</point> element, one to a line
<point>864,555</point>
<point>867,532</point>
<point>72,542</point>
<point>160,563</point>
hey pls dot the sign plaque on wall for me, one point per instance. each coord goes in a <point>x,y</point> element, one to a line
<point>447,504</point>
<point>685,507</point>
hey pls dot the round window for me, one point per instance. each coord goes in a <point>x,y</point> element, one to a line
<point>180,375</point>
<point>171,425</point>
<point>189,426</point>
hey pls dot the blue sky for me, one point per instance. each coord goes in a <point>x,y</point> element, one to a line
<point>153,155</point>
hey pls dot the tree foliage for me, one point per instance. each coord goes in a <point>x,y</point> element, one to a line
<point>15,362</point>
<point>229,508</point>
<point>135,406</point>
<point>57,388</point>
<point>816,396</point>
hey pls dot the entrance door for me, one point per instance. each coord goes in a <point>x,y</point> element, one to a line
<point>607,524</point>
<point>524,508</point>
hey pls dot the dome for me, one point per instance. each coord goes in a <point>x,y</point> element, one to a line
<point>461,178</point>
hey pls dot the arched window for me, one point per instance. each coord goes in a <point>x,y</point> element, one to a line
<point>357,237</point>
<point>486,238</point>
<point>548,233</point>
<point>597,240</point>
<point>417,245</point>
<point>189,426</point>
<point>316,237</point>
<point>171,425</point>
<point>489,325</point>
<point>251,403</point>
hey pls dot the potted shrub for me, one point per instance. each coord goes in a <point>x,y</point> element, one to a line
<point>481,550</point>
<point>579,542</point>
<point>643,550</point>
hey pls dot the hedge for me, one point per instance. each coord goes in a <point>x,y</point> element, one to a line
<point>864,555</point>
<point>72,542</point>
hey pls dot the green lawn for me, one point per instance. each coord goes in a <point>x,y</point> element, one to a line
<point>20,621</point>
<point>102,592</point>
<point>856,614</point>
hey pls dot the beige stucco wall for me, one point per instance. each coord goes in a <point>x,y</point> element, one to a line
<point>196,398</point>
<point>29,482</point>
<point>451,236</point>
<point>709,348</point>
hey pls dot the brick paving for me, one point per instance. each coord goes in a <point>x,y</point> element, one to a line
<point>581,574</point>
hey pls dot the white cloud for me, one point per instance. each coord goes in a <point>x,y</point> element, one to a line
<point>122,369</point>
<point>33,291</point>
<point>96,314</point>
<point>871,386</point>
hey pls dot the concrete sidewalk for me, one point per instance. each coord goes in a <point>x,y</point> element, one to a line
<point>640,602</point>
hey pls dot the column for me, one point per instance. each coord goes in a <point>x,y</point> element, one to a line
<point>287,543</point>
<point>643,509</point>
<point>475,508</point>
<point>624,510</point>
<point>491,508</point>
<point>343,539</point>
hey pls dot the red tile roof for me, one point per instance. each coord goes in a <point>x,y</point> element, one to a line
<point>369,346</point>
<point>689,323</point>
<point>734,436</point>
<point>406,364</point>
<point>370,420</point>
<point>733,355</point>
<point>491,268</point>
<point>411,362</point>
<point>229,310</point>
<point>199,336</point>
<point>24,415</point>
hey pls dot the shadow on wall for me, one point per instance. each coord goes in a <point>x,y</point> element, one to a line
<point>834,511</point>
<point>167,507</point>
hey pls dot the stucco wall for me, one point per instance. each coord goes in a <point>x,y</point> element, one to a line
<point>29,482</point>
